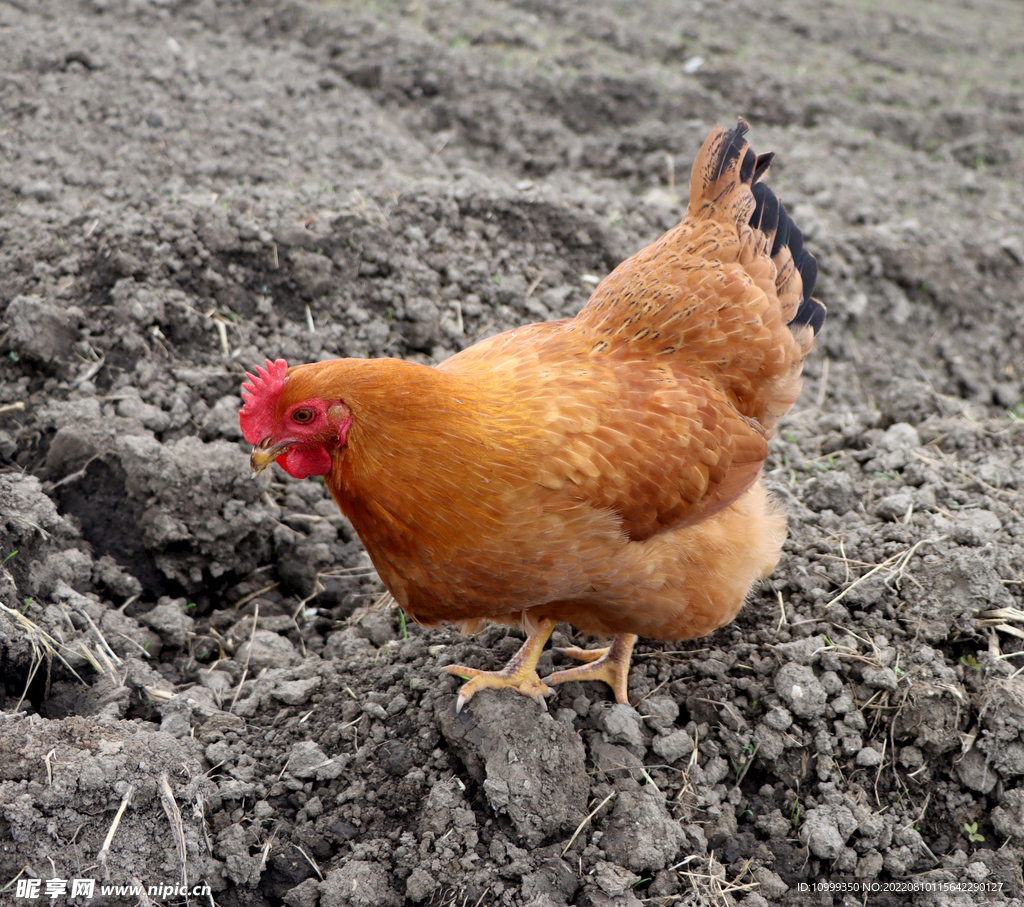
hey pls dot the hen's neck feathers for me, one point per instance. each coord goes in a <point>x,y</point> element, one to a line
<point>419,437</point>
<point>402,412</point>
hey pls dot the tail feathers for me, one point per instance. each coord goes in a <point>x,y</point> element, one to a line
<point>766,212</point>
<point>771,218</point>
<point>729,199</point>
<point>732,144</point>
<point>764,161</point>
<point>811,311</point>
<point>664,299</point>
<point>724,164</point>
<point>767,215</point>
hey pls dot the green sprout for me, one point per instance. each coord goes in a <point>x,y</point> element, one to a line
<point>795,813</point>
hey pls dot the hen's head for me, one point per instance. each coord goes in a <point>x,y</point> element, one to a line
<point>285,424</point>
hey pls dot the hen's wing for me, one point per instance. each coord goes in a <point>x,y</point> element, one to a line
<point>666,466</point>
<point>660,447</point>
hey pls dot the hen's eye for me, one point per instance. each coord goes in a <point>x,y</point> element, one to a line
<point>302,416</point>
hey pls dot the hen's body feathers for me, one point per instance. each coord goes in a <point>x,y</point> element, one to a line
<point>601,470</point>
<point>570,469</point>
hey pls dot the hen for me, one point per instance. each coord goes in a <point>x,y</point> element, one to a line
<point>602,470</point>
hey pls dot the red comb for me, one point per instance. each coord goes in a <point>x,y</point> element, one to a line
<point>257,416</point>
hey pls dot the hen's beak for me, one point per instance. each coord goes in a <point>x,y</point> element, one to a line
<point>265,453</point>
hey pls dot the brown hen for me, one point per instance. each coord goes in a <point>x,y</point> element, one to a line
<point>601,470</point>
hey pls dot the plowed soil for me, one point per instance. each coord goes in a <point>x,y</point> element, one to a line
<point>188,187</point>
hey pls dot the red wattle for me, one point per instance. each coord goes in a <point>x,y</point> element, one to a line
<point>300,463</point>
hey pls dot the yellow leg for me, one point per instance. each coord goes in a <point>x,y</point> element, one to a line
<point>520,674</point>
<point>610,664</point>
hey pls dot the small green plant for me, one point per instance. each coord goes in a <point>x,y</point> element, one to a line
<point>191,606</point>
<point>795,813</point>
<point>13,554</point>
<point>13,356</point>
<point>28,604</point>
<point>969,661</point>
<point>821,465</point>
<point>979,158</point>
<point>401,624</point>
<point>971,828</point>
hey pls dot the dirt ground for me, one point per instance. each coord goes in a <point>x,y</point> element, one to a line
<point>190,186</point>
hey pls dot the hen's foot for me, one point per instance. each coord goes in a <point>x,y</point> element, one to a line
<point>520,674</point>
<point>610,665</point>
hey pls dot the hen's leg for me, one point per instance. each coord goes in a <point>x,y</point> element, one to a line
<point>610,664</point>
<point>520,674</point>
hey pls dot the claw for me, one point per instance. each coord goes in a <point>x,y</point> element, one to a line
<point>521,677</point>
<point>610,665</point>
<point>520,674</point>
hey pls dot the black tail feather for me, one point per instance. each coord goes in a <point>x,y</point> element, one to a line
<point>786,226</point>
<point>764,161</point>
<point>811,311</point>
<point>766,209</point>
<point>748,166</point>
<point>796,241</point>
<point>769,216</point>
